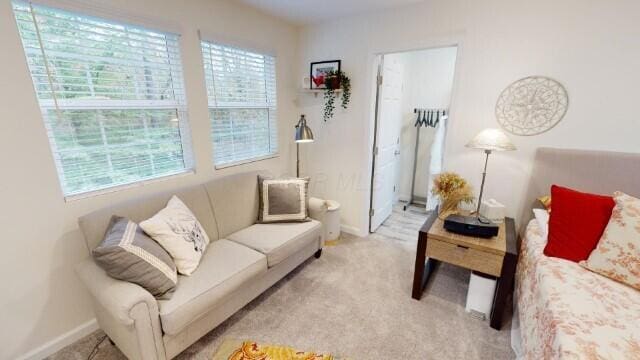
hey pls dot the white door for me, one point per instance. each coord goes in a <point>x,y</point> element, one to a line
<point>386,152</point>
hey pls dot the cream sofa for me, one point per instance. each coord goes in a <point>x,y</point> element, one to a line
<point>242,260</point>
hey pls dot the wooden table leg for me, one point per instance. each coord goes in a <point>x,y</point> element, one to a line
<point>418,273</point>
<point>503,290</point>
<point>505,283</point>
<point>423,269</point>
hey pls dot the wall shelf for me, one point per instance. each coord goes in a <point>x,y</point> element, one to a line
<point>315,92</point>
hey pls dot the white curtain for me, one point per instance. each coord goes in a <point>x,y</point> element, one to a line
<point>437,157</point>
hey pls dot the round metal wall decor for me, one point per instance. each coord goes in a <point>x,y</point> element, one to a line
<point>532,105</point>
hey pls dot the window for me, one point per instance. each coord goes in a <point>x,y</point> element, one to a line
<point>111,95</point>
<point>241,87</point>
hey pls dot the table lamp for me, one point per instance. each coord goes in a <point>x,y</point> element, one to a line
<point>488,140</point>
<point>303,135</point>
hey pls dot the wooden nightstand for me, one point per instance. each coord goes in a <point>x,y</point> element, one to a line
<point>496,257</point>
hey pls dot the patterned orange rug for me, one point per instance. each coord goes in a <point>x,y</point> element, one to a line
<point>251,350</point>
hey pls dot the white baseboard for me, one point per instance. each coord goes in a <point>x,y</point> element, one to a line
<point>352,230</point>
<point>416,200</point>
<point>61,341</point>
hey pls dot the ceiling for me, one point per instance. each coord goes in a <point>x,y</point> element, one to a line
<point>305,12</point>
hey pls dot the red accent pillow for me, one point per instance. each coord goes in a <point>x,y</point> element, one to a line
<point>576,223</point>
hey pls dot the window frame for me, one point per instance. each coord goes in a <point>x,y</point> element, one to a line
<point>241,46</point>
<point>179,103</point>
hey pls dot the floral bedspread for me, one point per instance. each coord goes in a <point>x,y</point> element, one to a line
<point>569,312</point>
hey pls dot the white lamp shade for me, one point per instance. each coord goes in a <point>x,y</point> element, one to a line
<point>491,139</point>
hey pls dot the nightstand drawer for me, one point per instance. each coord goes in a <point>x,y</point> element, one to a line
<point>472,259</point>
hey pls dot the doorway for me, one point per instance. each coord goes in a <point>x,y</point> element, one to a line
<point>413,93</point>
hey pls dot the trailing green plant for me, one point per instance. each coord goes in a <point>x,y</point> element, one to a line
<point>335,80</point>
<point>329,103</point>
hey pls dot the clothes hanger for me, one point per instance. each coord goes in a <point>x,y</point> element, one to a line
<point>437,119</point>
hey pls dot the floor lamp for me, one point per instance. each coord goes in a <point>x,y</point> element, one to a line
<point>303,135</point>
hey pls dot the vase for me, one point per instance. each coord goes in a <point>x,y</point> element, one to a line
<point>332,82</point>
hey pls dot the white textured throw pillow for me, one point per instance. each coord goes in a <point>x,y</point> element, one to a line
<point>179,232</point>
<point>617,255</point>
<point>542,217</point>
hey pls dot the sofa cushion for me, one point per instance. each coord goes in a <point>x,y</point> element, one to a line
<point>278,241</point>
<point>224,268</point>
<point>234,200</point>
<point>137,209</point>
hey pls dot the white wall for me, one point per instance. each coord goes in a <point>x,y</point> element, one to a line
<point>428,80</point>
<point>590,46</point>
<point>41,296</point>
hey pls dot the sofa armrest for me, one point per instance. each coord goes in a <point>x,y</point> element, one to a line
<point>116,296</point>
<point>317,209</point>
<point>126,312</point>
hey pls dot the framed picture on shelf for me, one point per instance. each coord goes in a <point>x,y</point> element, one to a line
<point>319,72</point>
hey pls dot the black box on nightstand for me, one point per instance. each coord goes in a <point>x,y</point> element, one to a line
<point>470,226</point>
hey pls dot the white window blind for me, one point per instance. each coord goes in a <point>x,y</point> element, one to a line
<point>241,86</point>
<point>111,95</point>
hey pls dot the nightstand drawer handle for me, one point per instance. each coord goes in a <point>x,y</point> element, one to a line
<point>463,247</point>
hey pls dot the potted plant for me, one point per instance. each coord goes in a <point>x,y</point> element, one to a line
<point>452,190</point>
<point>335,80</point>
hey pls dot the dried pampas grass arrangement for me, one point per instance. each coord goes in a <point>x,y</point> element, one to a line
<point>452,190</point>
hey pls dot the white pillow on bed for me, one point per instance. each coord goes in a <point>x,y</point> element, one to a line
<point>542,217</point>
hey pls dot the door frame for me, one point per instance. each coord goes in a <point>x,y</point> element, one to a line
<point>373,143</point>
<point>378,85</point>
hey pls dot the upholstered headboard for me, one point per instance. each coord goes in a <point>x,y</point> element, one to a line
<point>600,172</point>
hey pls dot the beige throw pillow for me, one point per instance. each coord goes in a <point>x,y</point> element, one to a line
<point>617,255</point>
<point>283,200</point>
<point>179,232</point>
<point>126,253</point>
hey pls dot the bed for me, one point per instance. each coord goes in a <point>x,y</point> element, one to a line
<point>564,310</point>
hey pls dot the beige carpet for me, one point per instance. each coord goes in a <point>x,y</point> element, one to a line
<point>355,301</point>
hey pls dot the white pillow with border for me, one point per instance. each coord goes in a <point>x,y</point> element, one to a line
<point>180,234</point>
<point>283,200</point>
